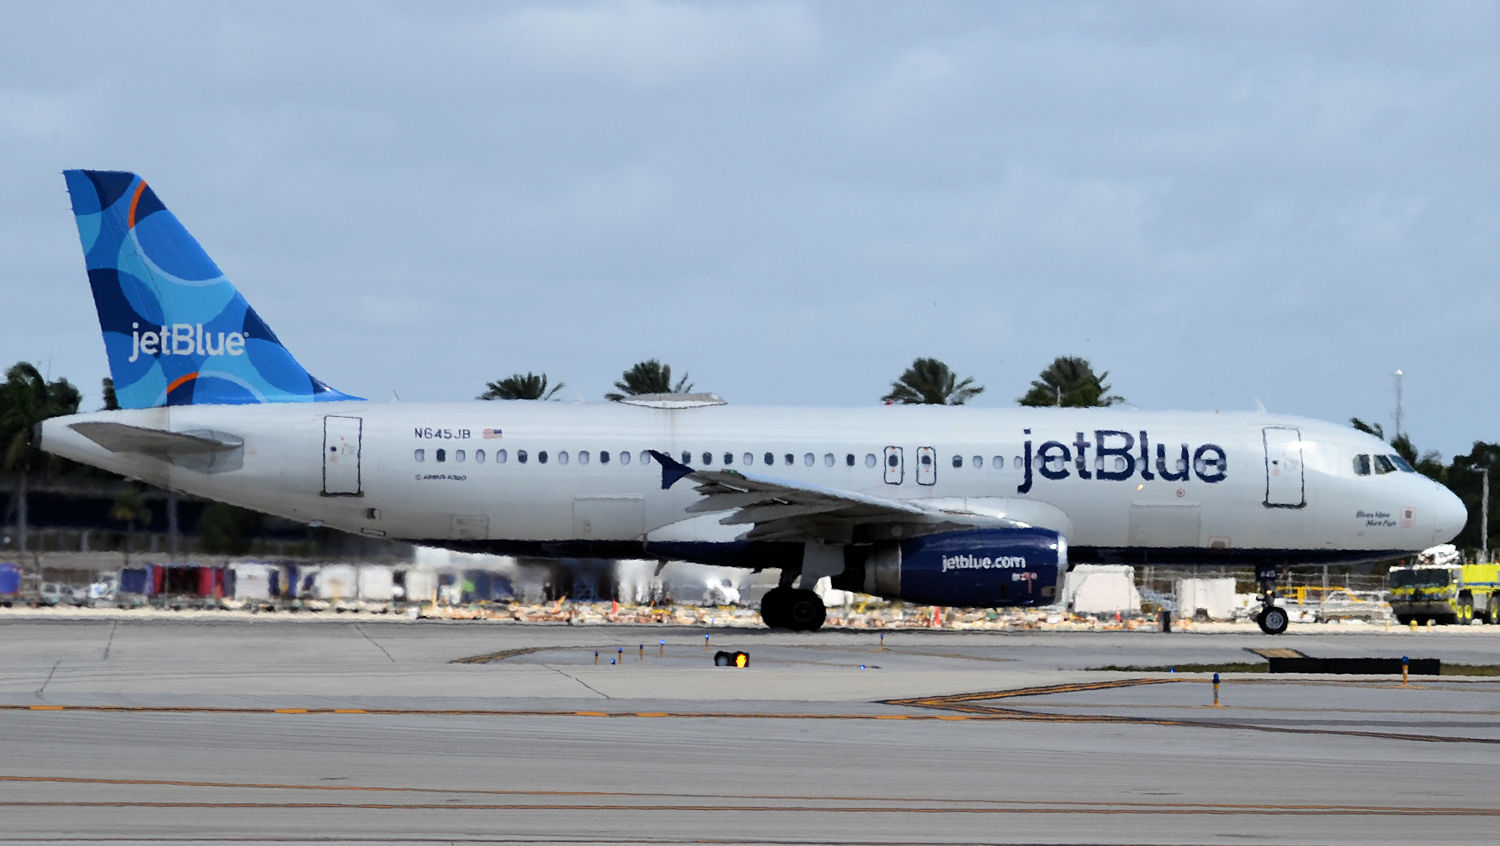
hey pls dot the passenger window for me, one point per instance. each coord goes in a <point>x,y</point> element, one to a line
<point>978,462</point>
<point>562,457</point>
<point>926,459</point>
<point>708,458</point>
<point>1017,462</point>
<point>500,456</point>
<point>1361,465</point>
<point>770,459</point>
<point>645,457</point>
<point>1383,465</point>
<point>420,455</point>
<point>807,459</point>
<point>687,457</point>
<point>849,460</point>
<point>827,459</point>
<point>441,455</point>
<point>583,456</point>
<point>870,459</point>
<point>541,456</point>
<point>603,456</point>
<point>998,462</point>
<point>521,456</point>
<point>458,455</point>
<point>748,459</point>
<point>624,456</point>
<point>1206,464</point>
<point>958,461</point>
<point>728,458</point>
<point>790,459</point>
<point>479,456</point>
<point>893,460</point>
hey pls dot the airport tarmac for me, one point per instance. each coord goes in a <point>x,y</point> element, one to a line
<point>337,730</point>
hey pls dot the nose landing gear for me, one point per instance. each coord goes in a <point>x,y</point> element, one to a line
<point>1272,618</point>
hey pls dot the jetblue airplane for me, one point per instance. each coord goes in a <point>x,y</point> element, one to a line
<point>929,504</point>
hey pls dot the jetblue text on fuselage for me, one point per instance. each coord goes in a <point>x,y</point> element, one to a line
<point>183,339</point>
<point>1119,456</point>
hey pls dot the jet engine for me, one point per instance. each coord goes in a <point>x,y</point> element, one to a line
<point>983,568</point>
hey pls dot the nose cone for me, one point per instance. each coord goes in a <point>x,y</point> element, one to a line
<point>1449,515</point>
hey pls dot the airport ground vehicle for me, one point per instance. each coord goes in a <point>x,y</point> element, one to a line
<point>1441,588</point>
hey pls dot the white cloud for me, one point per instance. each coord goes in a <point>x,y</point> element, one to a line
<point>649,42</point>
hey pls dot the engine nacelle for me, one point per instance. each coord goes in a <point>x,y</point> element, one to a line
<point>983,568</point>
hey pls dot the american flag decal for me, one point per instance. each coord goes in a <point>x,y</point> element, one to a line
<point>491,433</point>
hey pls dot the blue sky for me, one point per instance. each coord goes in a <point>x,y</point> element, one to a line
<point>1219,204</point>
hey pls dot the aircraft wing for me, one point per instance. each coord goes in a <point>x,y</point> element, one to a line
<point>783,510</point>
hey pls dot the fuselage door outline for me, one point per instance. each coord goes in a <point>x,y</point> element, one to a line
<point>895,466</point>
<point>1285,485</point>
<point>342,438</point>
<point>926,466</point>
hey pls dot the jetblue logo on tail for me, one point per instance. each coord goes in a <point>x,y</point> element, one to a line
<point>175,329</point>
<point>184,339</point>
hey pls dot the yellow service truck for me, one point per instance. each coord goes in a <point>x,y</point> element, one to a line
<point>1443,589</point>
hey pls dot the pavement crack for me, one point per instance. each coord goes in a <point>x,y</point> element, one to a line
<point>580,681</point>
<point>361,629</point>
<point>111,642</point>
<point>43,689</point>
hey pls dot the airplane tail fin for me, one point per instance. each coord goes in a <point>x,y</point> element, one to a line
<point>175,329</point>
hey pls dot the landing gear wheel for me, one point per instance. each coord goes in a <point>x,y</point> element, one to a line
<point>805,612</point>
<point>1272,620</point>
<point>775,607</point>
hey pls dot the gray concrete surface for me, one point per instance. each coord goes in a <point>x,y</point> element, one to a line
<point>341,730</point>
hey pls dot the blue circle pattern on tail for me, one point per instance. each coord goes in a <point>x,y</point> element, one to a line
<point>175,329</point>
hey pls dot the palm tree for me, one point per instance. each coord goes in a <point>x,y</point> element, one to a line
<point>648,377</point>
<point>929,382</point>
<point>518,387</point>
<point>130,508</point>
<point>1070,381</point>
<point>26,399</point>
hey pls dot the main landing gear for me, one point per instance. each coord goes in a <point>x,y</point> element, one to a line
<point>793,608</point>
<point>1272,618</point>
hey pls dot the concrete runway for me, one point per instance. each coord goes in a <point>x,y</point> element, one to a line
<point>262,730</point>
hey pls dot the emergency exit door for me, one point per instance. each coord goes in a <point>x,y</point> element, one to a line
<point>341,447</point>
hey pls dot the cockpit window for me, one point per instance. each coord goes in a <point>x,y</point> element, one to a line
<point>1402,464</point>
<point>1383,465</point>
<point>1361,465</point>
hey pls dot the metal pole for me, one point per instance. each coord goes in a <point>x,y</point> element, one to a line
<point>1484,518</point>
<point>1398,405</point>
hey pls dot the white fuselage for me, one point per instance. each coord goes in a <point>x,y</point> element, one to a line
<point>1118,484</point>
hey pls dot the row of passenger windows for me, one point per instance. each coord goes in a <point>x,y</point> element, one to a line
<point>502,456</point>
<point>1382,464</point>
<point>748,459</point>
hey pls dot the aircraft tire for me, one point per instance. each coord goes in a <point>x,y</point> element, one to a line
<point>805,611</point>
<point>1273,620</point>
<point>775,607</point>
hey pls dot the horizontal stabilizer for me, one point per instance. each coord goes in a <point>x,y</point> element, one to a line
<point>119,437</point>
<point>204,451</point>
